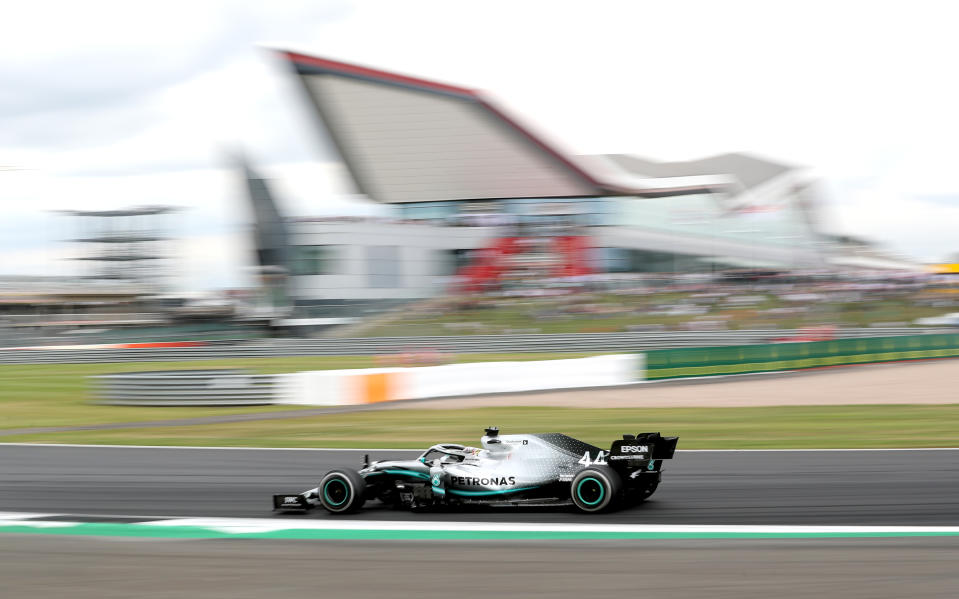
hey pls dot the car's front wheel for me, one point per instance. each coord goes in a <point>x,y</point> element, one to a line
<point>342,491</point>
<point>595,489</point>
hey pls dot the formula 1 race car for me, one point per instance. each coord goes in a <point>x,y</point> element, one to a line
<point>510,470</point>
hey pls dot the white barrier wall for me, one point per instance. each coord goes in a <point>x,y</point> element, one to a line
<point>502,377</point>
<point>336,387</point>
<point>350,387</point>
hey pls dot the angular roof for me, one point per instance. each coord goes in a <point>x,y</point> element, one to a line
<point>749,170</point>
<point>406,139</point>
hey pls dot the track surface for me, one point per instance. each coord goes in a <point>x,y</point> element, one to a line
<point>92,568</point>
<point>764,487</point>
<point>774,487</point>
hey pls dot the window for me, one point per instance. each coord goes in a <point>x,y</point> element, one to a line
<point>452,261</point>
<point>383,266</point>
<point>612,259</point>
<point>313,259</point>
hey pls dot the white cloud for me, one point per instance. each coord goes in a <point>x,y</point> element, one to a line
<point>917,231</point>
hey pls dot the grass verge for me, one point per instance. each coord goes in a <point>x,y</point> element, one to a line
<point>894,426</point>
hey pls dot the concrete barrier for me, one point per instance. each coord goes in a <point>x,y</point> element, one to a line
<point>364,386</point>
<point>223,387</point>
<point>339,387</point>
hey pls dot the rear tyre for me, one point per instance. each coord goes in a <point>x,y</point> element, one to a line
<point>596,489</point>
<point>342,491</point>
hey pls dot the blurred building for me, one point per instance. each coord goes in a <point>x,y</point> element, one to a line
<point>31,298</point>
<point>481,202</point>
<point>855,253</point>
<point>61,310</point>
<point>128,245</point>
<point>121,288</point>
<point>39,306</point>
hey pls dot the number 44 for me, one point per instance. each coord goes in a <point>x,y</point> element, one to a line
<point>586,461</point>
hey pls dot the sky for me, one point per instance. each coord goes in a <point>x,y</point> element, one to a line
<point>109,104</point>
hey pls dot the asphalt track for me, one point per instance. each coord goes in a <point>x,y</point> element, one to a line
<point>917,487</point>
<point>107,568</point>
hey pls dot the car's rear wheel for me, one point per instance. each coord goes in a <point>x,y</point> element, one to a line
<point>596,489</point>
<point>342,491</point>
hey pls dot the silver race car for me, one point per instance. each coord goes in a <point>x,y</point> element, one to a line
<point>509,470</point>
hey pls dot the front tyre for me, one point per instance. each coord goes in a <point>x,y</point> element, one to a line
<point>595,489</point>
<point>342,491</point>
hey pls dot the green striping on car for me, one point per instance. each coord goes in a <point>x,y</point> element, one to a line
<point>412,473</point>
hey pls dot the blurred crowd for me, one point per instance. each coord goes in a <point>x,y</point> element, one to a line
<point>697,302</point>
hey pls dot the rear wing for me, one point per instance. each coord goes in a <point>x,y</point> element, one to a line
<point>633,451</point>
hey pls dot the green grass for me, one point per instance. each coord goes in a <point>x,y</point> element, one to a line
<point>698,428</point>
<point>59,394</point>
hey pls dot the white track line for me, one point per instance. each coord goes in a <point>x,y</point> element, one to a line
<point>22,515</point>
<point>265,525</point>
